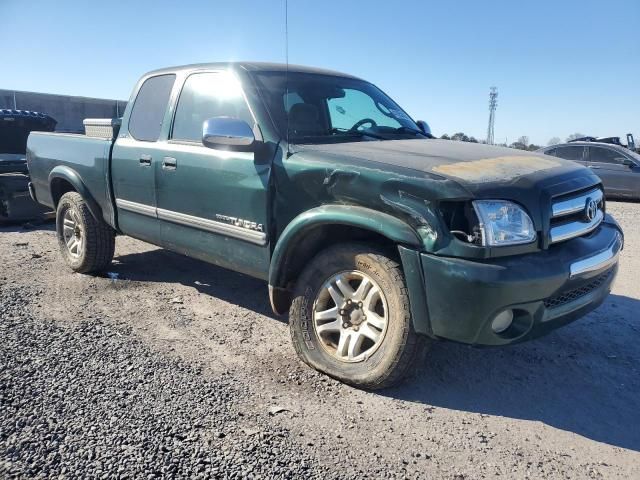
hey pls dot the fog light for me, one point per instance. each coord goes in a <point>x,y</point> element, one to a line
<point>502,321</point>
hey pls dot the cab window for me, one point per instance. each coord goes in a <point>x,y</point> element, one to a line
<point>605,155</point>
<point>204,96</point>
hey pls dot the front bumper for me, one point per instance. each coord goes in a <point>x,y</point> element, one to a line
<point>545,290</point>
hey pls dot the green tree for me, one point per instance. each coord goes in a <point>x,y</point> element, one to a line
<point>445,137</point>
<point>519,146</point>
<point>460,137</point>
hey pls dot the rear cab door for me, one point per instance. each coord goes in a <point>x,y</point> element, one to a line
<point>136,150</point>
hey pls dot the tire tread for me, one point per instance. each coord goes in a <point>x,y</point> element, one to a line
<point>412,345</point>
<point>99,237</point>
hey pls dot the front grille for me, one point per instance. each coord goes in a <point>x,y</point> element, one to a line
<point>576,214</point>
<point>576,293</point>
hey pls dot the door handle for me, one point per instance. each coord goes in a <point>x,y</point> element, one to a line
<point>145,160</point>
<point>169,163</point>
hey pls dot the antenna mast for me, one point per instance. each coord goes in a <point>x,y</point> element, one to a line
<point>493,104</point>
<point>286,73</point>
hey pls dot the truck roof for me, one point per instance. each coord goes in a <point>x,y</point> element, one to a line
<point>251,67</point>
<point>582,143</point>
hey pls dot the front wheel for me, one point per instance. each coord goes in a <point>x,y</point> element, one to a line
<point>86,244</point>
<point>350,317</point>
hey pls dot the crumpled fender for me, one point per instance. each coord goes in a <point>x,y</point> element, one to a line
<point>379,222</point>
<point>361,217</point>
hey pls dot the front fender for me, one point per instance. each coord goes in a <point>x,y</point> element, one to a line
<point>408,241</point>
<point>383,223</point>
<point>68,174</point>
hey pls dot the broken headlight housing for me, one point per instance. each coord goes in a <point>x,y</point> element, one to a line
<point>503,223</point>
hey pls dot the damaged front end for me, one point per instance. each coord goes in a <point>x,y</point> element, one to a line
<point>497,241</point>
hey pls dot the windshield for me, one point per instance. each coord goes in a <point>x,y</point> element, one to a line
<point>327,109</point>
<point>634,155</point>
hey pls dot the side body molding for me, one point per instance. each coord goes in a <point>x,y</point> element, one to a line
<point>65,173</point>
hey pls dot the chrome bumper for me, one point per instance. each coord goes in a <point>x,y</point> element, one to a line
<point>600,260</point>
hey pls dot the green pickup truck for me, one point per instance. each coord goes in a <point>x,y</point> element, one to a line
<point>375,237</point>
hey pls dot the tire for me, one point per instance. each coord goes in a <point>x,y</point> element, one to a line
<point>387,353</point>
<point>86,244</point>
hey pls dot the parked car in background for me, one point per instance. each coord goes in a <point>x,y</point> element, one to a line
<point>15,125</point>
<point>616,165</point>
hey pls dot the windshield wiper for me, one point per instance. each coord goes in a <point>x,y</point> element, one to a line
<point>358,133</point>
<point>411,130</point>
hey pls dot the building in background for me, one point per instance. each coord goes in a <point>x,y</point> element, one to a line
<point>67,110</point>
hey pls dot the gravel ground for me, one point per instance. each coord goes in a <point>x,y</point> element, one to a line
<point>92,398</point>
<point>171,367</point>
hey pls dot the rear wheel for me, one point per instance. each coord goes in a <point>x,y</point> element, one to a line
<point>350,317</point>
<point>86,244</point>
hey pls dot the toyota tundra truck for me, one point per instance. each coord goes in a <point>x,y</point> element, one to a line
<point>377,238</point>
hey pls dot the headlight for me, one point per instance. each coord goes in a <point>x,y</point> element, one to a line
<point>503,223</point>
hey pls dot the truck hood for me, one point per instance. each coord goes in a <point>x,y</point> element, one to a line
<point>473,166</point>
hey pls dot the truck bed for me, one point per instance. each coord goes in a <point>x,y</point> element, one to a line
<point>86,158</point>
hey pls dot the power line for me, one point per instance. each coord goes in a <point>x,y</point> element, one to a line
<point>493,104</point>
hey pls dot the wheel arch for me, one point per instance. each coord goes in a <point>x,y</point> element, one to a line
<point>320,227</point>
<point>63,179</point>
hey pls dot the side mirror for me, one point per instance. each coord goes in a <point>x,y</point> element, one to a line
<point>628,162</point>
<point>424,127</point>
<point>225,132</point>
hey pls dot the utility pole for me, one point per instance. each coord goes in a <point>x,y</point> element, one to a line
<point>493,103</point>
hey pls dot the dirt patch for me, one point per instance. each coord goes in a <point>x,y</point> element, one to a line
<point>499,168</point>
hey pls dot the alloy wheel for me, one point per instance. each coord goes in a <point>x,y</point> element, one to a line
<point>72,232</point>
<point>350,316</point>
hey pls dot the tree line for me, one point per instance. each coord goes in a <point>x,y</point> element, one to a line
<point>522,143</point>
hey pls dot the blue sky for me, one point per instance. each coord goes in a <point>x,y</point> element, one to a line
<point>560,66</point>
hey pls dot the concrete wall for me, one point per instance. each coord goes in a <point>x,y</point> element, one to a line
<point>68,110</point>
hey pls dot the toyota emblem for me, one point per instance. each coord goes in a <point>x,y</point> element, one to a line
<point>591,209</point>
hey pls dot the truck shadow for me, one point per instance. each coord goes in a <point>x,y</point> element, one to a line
<point>583,378</point>
<point>164,266</point>
<point>25,227</point>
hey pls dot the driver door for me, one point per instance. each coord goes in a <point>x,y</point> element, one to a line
<point>609,164</point>
<point>213,204</point>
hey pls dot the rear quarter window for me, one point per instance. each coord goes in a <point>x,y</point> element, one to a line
<point>149,108</point>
